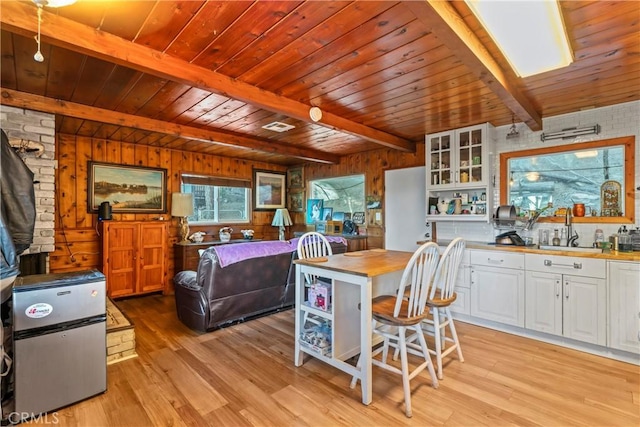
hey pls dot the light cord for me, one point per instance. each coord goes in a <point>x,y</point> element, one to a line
<point>38,55</point>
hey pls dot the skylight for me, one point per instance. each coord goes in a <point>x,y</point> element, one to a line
<point>530,34</point>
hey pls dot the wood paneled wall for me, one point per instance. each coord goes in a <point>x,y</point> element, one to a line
<point>372,164</point>
<point>77,239</point>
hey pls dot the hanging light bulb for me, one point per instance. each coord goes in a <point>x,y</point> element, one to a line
<point>38,57</point>
<point>511,181</point>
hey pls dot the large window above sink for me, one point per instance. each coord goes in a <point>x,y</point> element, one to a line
<point>599,174</point>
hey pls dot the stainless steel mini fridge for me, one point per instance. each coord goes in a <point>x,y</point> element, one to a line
<point>59,333</point>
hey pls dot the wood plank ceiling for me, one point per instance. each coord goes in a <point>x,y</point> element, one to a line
<point>206,76</point>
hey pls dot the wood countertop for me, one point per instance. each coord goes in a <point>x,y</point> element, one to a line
<point>614,255</point>
<point>369,263</point>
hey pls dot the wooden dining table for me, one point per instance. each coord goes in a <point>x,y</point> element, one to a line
<point>356,278</point>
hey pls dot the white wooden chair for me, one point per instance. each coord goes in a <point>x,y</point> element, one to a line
<point>395,315</point>
<point>441,296</point>
<point>313,245</point>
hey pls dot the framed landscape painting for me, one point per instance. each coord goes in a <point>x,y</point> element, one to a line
<point>269,191</point>
<point>129,189</point>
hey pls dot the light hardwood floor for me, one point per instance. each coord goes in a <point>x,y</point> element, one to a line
<point>244,375</point>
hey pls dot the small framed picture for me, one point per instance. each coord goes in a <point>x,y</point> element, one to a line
<point>327,214</point>
<point>358,217</point>
<point>295,178</point>
<point>338,216</point>
<point>296,201</point>
<point>314,210</point>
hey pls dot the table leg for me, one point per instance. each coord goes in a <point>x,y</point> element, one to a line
<point>366,342</point>
<point>299,355</point>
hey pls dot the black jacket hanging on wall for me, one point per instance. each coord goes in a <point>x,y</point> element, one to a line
<point>18,214</point>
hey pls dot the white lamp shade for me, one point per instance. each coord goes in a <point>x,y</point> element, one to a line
<point>281,218</point>
<point>181,204</point>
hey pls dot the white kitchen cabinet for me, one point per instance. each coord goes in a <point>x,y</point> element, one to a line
<point>460,160</point>
<point>624,306</point>
<point>543,306</point>
<point>566,296</point>
<point>497,286</point>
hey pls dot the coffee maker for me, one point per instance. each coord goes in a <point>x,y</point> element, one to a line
<point>104,211</point>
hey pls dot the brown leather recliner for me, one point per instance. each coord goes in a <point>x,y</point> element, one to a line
<point>216,296</point>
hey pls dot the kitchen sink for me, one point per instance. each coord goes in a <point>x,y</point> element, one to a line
<point>572,249</point>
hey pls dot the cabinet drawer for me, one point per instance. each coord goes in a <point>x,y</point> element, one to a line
<point>576,266</point>
<point>497,259</point>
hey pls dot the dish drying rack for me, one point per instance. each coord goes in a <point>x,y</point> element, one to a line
<point>518,223</point>
<point>524,223</point>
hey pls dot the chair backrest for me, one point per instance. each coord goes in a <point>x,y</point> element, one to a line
<point>313,245</point>
<point>416,280</point>
<point>445,279</point>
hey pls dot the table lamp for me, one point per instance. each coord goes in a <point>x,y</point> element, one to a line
<point>281,219</point>
<point>182,206</point>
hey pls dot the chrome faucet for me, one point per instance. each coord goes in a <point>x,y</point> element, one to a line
<point>533,219</point>
<point>572,240</point>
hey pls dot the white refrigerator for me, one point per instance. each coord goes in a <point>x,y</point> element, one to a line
<point>405,209</point>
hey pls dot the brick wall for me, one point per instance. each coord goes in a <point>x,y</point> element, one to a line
<point>615,121</point>
<point>38,127</point>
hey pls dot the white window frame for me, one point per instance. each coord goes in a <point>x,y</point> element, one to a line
<point>189,180</point>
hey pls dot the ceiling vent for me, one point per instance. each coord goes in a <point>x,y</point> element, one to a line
<point>278,127</point>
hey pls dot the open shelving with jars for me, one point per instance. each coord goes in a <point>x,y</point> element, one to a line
<point>459,167</point>
<point>474,205</point>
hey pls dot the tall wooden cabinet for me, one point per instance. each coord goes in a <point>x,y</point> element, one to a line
<point>133,257</point>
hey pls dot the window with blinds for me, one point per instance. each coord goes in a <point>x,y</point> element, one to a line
<point>218,200</point>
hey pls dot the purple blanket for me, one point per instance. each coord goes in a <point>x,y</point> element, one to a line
<point>236,252</point>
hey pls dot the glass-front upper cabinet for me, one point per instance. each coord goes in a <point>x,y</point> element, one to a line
<point>440,155</point>
<point>459,158</point>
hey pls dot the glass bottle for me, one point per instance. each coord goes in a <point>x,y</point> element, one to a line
<point>563,237</point>
<point>556,238</point>
<point>599,237</point>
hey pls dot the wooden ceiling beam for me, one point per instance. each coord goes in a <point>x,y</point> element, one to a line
<point>40,103</point>
<point>443,20</point>
<point>19,17</point>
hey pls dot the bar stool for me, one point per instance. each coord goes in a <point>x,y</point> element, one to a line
<point>395,315</point>
<point>441,296</point>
